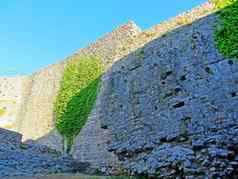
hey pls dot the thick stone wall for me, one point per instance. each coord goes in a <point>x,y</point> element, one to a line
<point>167,104</point>
<point>91,144</point>
<point>165,27</point>
<point>93,138</point>
<point>172,106</point>
<point>36,120</point>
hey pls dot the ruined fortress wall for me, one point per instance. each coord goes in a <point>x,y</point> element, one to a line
<point>108,48</point>
<point>92,137</point>
<point>11,95</point>
<point>36,119</point>
<point>180,92</point>
<point>34,112</point>
<point>91,144</point>
<point>165,27</point>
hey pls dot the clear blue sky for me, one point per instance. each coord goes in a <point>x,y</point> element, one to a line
<point>35,33</point>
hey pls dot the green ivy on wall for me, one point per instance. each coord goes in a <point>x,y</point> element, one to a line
<point>226,35</point>
<point>77,95</point>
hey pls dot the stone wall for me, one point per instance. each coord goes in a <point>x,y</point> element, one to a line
<point>93,138</point>
<point>172,106</point>
<point>91,144</point>
<point>168,99</point>
<point>11,96</point>
<point>165,27</point>
<point>108,48</point>
<point>36,120</point>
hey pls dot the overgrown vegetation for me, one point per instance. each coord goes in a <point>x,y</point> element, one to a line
<point>222,3</point>
<point>226,35</point>
<point>2,112</point>
<point>77,95</point>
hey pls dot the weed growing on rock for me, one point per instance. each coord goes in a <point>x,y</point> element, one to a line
<point>77,95</point>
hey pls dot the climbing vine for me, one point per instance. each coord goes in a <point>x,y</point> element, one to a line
<point>226,35</point>
<point>77,95</point>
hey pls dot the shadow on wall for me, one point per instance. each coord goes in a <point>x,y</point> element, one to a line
<point>135,73</point>
<point>76,113</point>
<point>175,89</point>
<point>75,118</point>
<point>146,96</point>
<point>155,77</point>
<point>155,93</point>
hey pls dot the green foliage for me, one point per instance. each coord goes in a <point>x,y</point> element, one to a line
<point>77,95</point>
<point>226,35</point>
<point>2,112</point>
<point>219,4</point>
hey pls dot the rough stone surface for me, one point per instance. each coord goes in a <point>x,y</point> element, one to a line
<point>10,137</point>
<point>91,144</point>
<point>11,97</point>
<point>30,100</point>
<point>171,106</point>
<point>108,48</point>
<point>165,110</point>
<point>18,159</point>
<point>36,118</point>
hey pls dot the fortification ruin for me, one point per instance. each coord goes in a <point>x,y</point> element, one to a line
<point>162,103</point>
